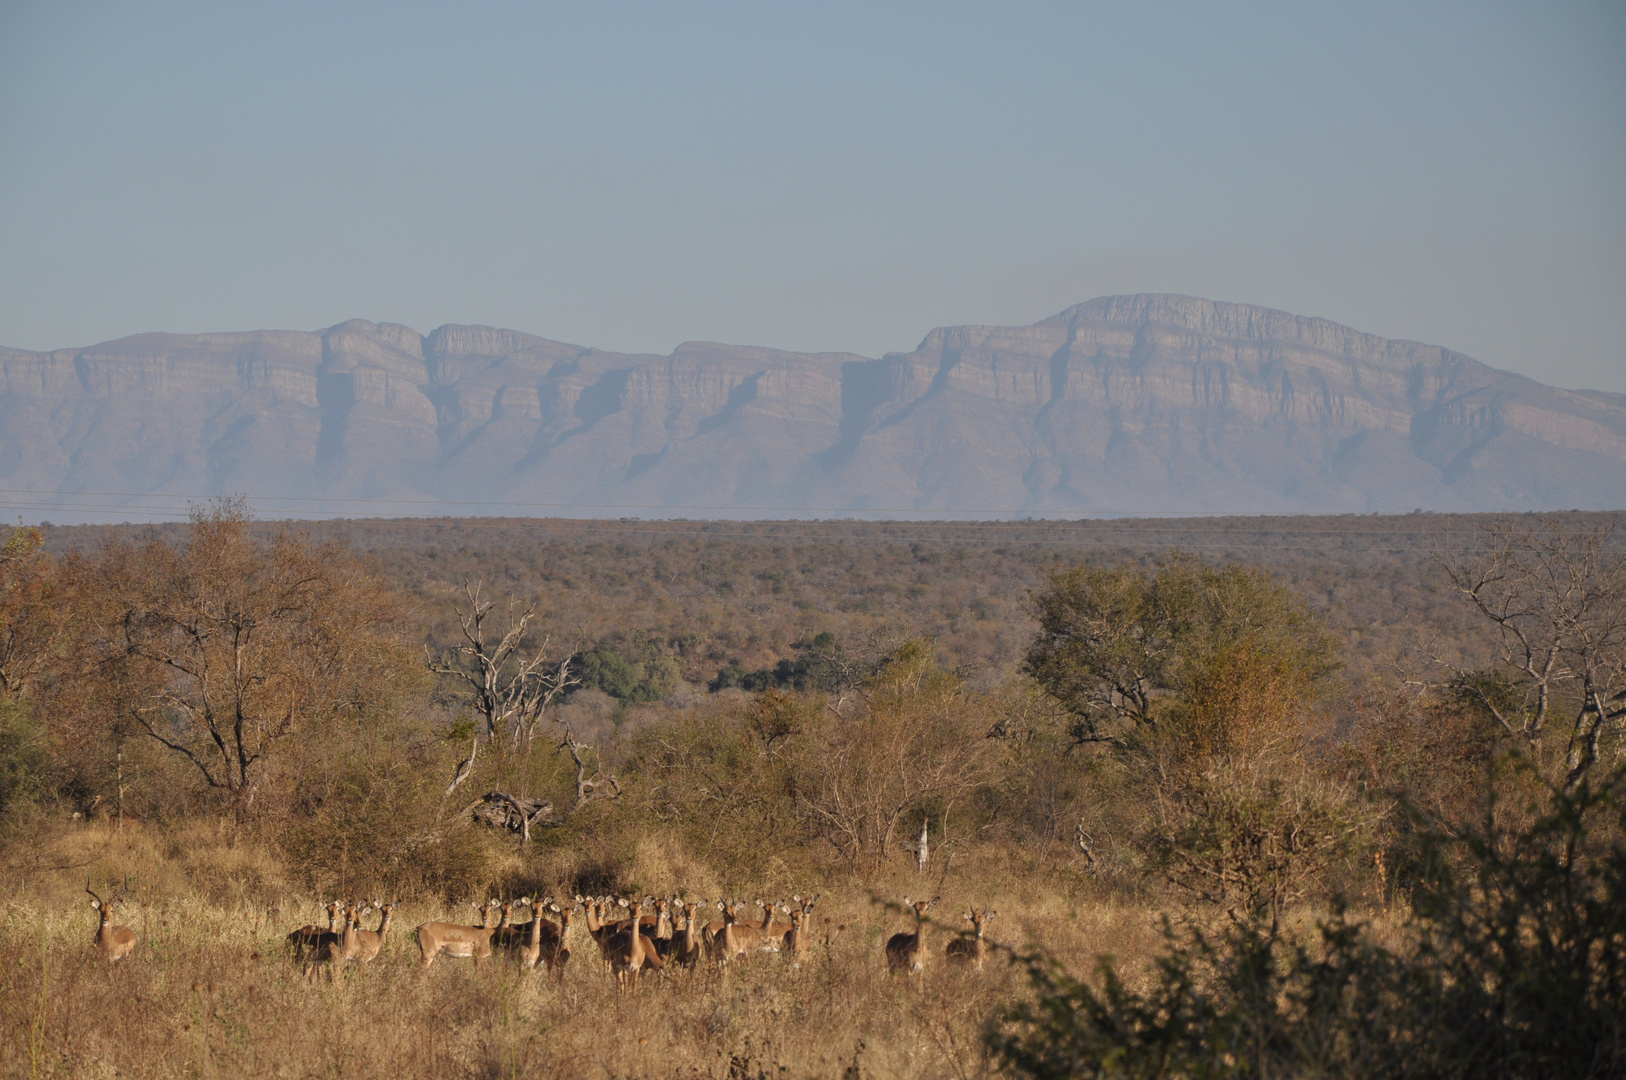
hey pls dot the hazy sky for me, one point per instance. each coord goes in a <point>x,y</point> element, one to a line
<point>816,176</point>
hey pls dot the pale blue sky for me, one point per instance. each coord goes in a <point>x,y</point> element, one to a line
<point>816,176</point>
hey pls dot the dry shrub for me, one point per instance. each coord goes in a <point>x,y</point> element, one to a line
<point>1254,836</point>
<point>1510,965</point>
<point>915,735</point>
<point>379,833</point>
<point>1242,698</point>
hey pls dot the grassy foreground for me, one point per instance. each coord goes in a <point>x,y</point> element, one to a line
<point>210,990</point>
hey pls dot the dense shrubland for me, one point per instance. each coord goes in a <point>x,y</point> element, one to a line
<point>1331,805</point>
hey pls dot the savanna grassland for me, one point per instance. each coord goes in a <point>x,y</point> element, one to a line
<point>1309,783</point>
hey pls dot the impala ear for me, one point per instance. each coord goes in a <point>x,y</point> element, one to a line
<point>97,904</point>
<point>908,901</point>
<point>989,914</point>
<point>796,897</point>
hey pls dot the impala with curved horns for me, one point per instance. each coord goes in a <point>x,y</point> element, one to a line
<point>115,942</point>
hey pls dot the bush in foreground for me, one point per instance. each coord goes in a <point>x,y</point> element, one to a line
<point>1512,964</point>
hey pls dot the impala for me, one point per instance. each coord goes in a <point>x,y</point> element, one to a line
<point>455,939</point>
<point>529,951</point>
<point>511,937</point>
<point>334,953</point>
<point>796,941</point>
<point>116,942</point>
<point>369,943</point>
<point>968,947</point>
<point>689,944</point>
<point>777,934</point>
<point>596,928</point>
<point>555,944</point>
<point>310,936</point>
<point>735,938</point>
<point>774,932</point>
<point>606,934</point>
<point>714,929</point>
<point>630,952</point>
<point>907,952</point>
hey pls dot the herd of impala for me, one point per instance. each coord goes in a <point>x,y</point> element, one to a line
<point>653,934</point>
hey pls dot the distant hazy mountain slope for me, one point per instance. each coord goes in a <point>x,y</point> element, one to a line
<point>1143,404</point>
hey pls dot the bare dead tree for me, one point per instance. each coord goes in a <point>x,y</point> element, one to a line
<point>1086,848</point>
<point>508,684</point>
<point>923,851</point>
<point>512,813</point>
<point>587,787</point>
<point>1556,597</point>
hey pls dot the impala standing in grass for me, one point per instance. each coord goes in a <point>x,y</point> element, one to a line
<point>115,942</point>
<point>907,952</point>
<point>968,948</point>
<point>455,939</point>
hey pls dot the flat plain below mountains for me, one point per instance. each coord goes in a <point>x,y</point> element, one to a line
<point>1149,404</point>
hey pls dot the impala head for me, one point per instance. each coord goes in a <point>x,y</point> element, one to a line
<point>977,918</point>
<point>921,906</point>
<point>104,907</point>
<point>490,910</point>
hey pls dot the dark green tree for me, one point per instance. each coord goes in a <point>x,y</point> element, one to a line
<point>1220,653</point>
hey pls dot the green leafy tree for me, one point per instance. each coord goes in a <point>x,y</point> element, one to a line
<point>634,670</point>
<point>1218,655</point>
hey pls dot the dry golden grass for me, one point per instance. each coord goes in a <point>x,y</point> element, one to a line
<point>211,991</point>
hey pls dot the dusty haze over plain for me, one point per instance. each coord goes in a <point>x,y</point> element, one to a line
<point>816,177</point>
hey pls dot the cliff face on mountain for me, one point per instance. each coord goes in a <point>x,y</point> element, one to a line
<point>1128,404</point>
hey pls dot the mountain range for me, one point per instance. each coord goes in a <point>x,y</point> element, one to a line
<point>1146,404</point>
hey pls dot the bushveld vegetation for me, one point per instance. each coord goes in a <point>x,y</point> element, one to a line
<point>1296,798</point>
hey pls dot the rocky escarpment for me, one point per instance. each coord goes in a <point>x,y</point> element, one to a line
<point>1129,404</point>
